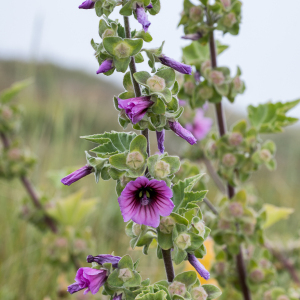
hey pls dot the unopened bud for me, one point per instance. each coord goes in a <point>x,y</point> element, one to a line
<point>217,77</point>
<point>226,3</point>
<point>14,154</point>
<point>264,263</point>
<point>236,209</point>
<point>136,229</point>
<point>229,20</point>
<point>108,32</point>
<point>205,66</point>
<point>206,92</point>
<point>195,13</point>
<point>220,267</point>
<point>177,288</point>
<point>248,228</point>
<point>122,50</point>
<point>156,83</point>
<point>135,160</point>
<point>183,241</point>
<point>6,113</point>
<point>257,275</point>
<point>162,169</point>
<point>237,83</point>
<point>229,160</point>
<point>189,87</point>
<point>61,242</point>
<point>166,225</point>
<point>125,274</point>
<point>268,295</point>
<point>265,155</point>
<point>80,244</point>
<point>199,293</point>
<point>200,227</point>
<point>224,224</point>
<point>235,139</point>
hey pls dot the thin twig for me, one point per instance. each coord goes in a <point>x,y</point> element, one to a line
<point>230,190</point>
<point>210,206</point>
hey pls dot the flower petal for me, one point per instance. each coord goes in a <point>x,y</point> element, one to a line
<point>147,215</point>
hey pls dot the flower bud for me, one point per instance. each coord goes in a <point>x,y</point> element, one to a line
<point>236,209</point>
<point>135,160</point>
<point>166,225</point>
<point>229,20</point>
<point>108,32</point>
<point>183,241</point>
<point>205,66</point>
<point>61,242</point>
<point>217,77</point>
<point>6,113</point>
<point>195,13</point>
<point>14,154</point>
<point>122,50</point>
<point>125,274</point>
<point>257,275</point>
<point>80,244</point>
<point>248,228</point>
<point>283,297</point>
<point>268,295</point>
<point>229,160</point>
<point>264,263</point>
<point>199,293</point>
<point>226,3</point>
<point>235,139</point>
<point>224,224</point>
<point>189,87</point>
<point>156,83</point>
<point>220,268</point>
<point>177,288</point>
<point>206,92</point>
<point>265,155</point>
<point>237,83</point>
<point>200,227</point>
<point>162,169</point>
<point>136,229</point>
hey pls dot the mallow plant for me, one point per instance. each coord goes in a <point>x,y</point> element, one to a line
<point>159,195</point>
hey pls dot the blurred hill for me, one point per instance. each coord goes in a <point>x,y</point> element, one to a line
<point>59,107</point>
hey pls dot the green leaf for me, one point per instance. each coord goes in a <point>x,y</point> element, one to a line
<point>275,214</point>
<point>7,94</point>
<point>146,36</point>
<point>119,161</point>
<point>161,295</point>
<point>121,64</point>
<point>212,291</point>
<point>164,240</point>
<point>156,7</point>
<point>127,82</point>
<point>142,77</point>
<point>139,58</point>
<point>168,75</point>
<point>166,94</point>
<point>139,143</point>
<point>125,262</point>
<point>188,278</point>
<point>159,107</point>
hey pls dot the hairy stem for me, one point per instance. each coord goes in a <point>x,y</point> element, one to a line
<point>230,190</point>
<point>31,192</point>
<point>137,90</point>
<point>168,264</point>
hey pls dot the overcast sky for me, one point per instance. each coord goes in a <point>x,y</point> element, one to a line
<point>267,49</point>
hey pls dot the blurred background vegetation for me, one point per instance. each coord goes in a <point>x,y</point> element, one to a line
<point>59,107</point>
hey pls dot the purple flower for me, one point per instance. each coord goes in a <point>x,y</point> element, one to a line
<point>197,76</point>
<point>135,108</point>
<point>78,174</point>
<point>160,136</point>
<point>144,200</point>
<point>180,67</point>
<point>182,132</point>
<point>88,4</point>
<point>201,126</point>
<point>149,6</point>
<point>193,36</point>
<point>89,278</point>
<point>142,17</point>
<point>104,258</point>
<point>119,297</point>
<point>105,66</point>
<point>182,102</point>
<point>198,266</point>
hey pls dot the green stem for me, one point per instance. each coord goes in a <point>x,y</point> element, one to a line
<point>230,189</point>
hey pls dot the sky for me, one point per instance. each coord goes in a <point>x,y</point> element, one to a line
<point>267,48</point>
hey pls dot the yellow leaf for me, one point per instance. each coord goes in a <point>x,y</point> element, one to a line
<point>275,214</point>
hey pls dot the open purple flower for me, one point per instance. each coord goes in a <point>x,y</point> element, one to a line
<point>182,132</point>
<point>201,126</point>
<point>142,17</point>
<point>180,67</point>
<point>89,278</point>
<point>106,66</point>
<point>88,4</point>
<point>135,108</point>
<point>144,201</point>
<point>78,174</point>
<point>104,258</point>
<point>198,266</point>
<point>160,136</point>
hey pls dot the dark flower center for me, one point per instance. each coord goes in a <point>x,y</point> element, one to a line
<point>145,196</point>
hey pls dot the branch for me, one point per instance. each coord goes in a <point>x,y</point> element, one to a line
<point>230,190</point>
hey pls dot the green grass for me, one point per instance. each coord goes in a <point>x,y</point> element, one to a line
<point>61,106</point>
